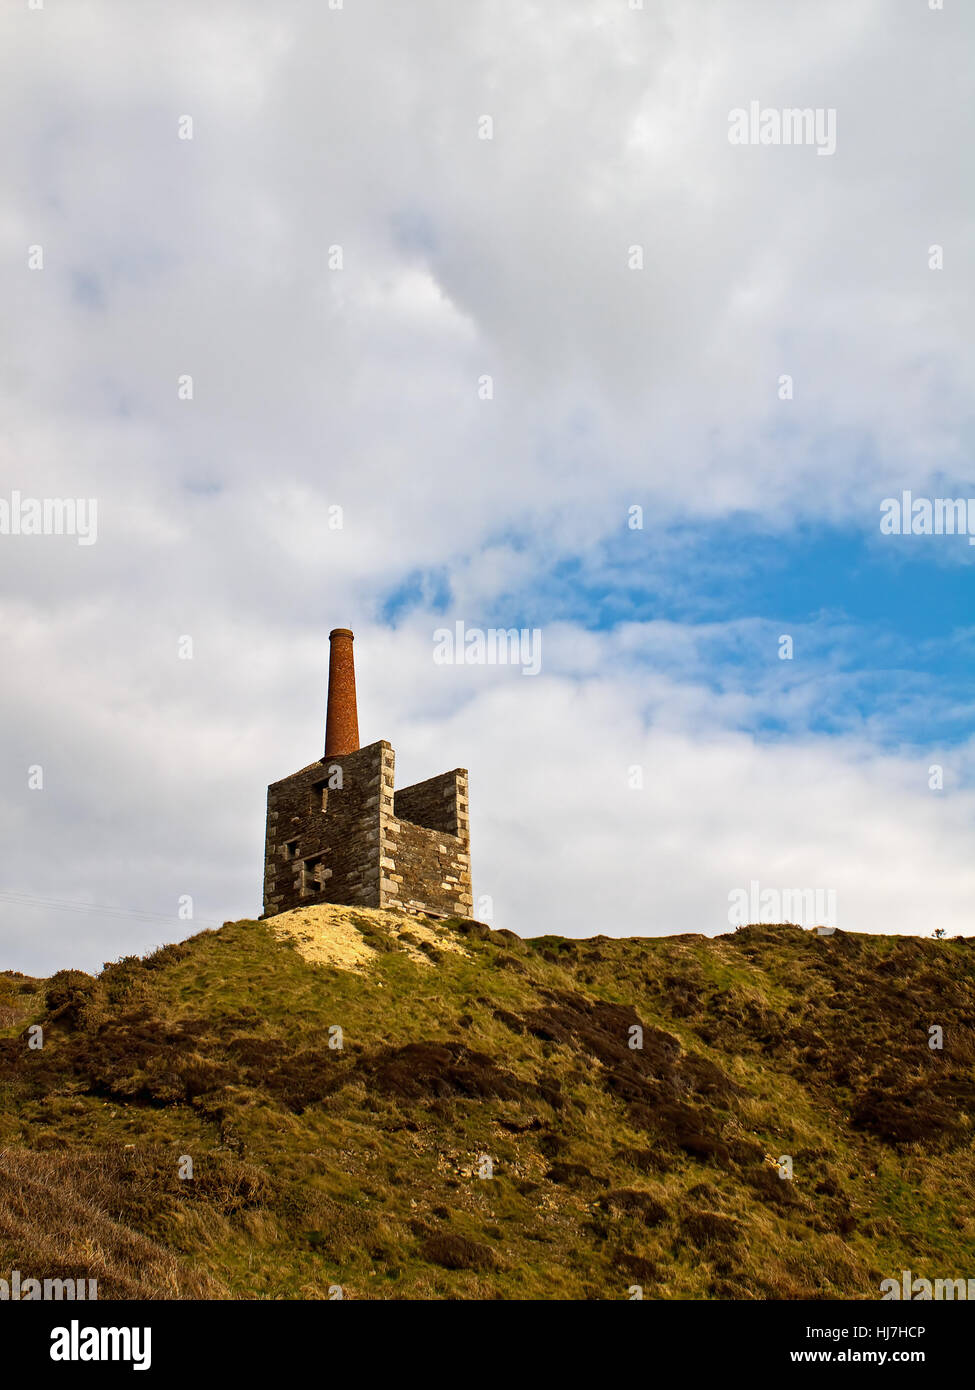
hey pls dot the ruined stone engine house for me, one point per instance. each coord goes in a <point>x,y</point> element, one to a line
<point>338,832</point>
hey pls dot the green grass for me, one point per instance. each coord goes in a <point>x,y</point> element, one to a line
<point>315,1167</point>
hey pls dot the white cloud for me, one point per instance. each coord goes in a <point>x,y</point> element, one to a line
<point>358,388</point>
<point>154,788</point>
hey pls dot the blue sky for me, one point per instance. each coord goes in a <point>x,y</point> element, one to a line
<point>892,615</point>
<point>361,386</point>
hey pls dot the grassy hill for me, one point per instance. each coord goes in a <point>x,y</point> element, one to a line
<point>362,1165</point>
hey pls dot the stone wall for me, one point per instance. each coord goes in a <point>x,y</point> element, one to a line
<point>439,803</point>
<point>322,841</point>
<point>425,832</point>
<point>426,870</point>
<point>364,843</point>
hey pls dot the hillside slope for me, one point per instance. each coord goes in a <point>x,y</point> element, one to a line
<point>466,1051</point>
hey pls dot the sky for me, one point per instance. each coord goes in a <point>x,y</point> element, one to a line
<point>394,317</point>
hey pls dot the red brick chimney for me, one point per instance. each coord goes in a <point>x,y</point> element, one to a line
<point>342,719</point>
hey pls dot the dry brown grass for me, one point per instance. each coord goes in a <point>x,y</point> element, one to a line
<point>56,1222</point>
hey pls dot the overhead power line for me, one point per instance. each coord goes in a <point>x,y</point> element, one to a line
<point>104,910</point>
